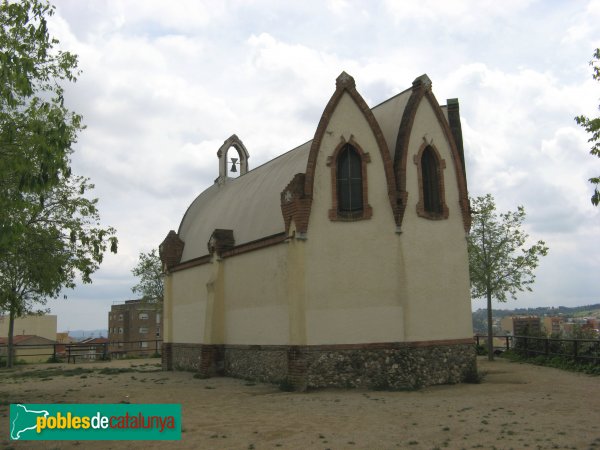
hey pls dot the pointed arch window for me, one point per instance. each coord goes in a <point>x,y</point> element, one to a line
<point>430,169</point>
<point>431,183</point>
<point>349,183</point>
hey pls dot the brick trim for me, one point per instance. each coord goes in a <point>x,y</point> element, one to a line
<point>171,250</point>
<point>167,356</point>
<point>206,259</point>
<point>422,89</point>
<point>365,158</point>
<point>294,205</point>
<point>370,345</point>
<point>220,241</point>
<point>441,165</point>
<point>346,84</point>
<point>258,244</point>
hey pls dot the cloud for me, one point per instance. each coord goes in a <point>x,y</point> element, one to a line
<point>585,26</point>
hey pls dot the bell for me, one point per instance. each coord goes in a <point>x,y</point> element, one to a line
<point>233,163</point>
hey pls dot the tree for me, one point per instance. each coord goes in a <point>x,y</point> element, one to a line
<point>50,231</point>
<point>36,129</point>
<point>149,271</point>
<point>592,126</point>
<point>500,264</point>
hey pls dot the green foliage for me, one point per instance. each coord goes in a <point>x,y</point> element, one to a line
<point>592,126</point>
<point>499,262</point>
<point>581,332</point>
<point>480,350</point>
<point>61,239</point>
<point>50,231</point>
<point>36,130</point>
<point>149,271</point>
<point>558,362</point>
<point>54,359</point>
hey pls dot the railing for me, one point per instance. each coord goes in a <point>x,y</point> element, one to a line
<point>121,349</point>
<point>507,341</point>
<point>580,350</point>
<point>81,351</point>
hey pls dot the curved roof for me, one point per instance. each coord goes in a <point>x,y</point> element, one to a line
<point>249,205</point>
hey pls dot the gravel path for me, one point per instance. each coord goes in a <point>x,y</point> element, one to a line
<point>518,406</point>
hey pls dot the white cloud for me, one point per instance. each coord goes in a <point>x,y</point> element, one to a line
<point>459,14</point>
<point>585,24</point>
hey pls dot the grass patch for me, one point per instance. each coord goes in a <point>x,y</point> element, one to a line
<point>558,362</point>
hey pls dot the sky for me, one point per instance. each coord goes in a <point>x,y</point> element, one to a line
<point>163,84</point>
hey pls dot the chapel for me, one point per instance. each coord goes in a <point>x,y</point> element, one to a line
<point>340,263</point>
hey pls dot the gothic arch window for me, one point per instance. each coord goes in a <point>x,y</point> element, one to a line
<point>349,183</point>
<point>430,170</point>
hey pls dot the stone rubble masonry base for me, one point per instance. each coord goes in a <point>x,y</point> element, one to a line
<point>386,366</point>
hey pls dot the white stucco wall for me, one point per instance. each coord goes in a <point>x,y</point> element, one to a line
<point>256,310</point>
<point>352,284</point>
<point>187,305</point>
<point>437,278</point>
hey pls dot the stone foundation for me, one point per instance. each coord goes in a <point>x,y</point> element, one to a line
<point>256,362</point>
<point>393,366</point>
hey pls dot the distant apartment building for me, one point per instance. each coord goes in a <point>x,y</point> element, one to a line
<point>521,325</point>
<point>134,327</point>
<point>552,325</point>
<point>33,325</point>
<point>27,348</point>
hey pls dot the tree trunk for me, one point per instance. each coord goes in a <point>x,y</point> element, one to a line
<point>11,327</point>
<point>490,333</point>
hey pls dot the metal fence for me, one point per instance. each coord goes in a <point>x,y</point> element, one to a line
<point>580,350</point>
<point>77,352</point>
<point>505,341</point>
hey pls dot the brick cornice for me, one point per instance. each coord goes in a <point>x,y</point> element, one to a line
<point>258,244</point>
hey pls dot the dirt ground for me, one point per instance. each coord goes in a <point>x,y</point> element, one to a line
<point>517,406</point>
